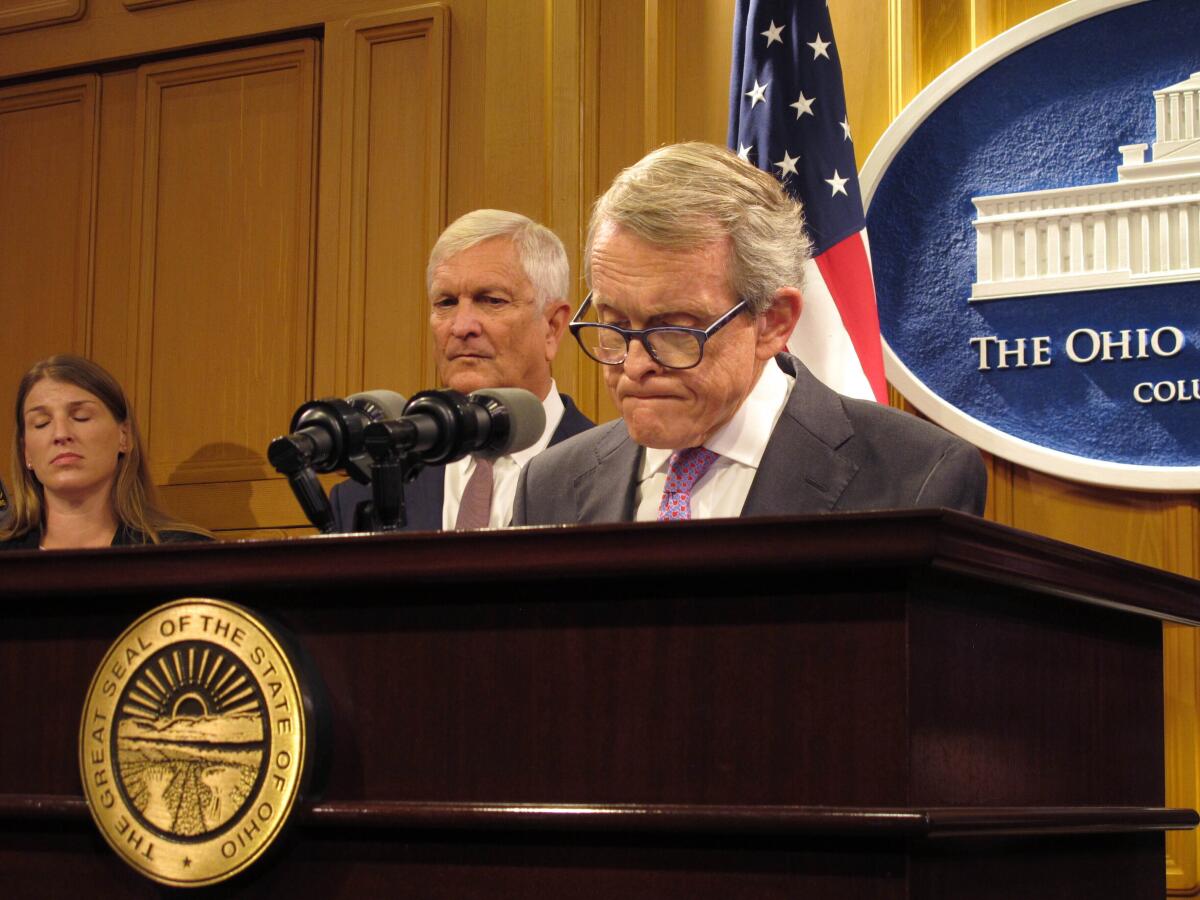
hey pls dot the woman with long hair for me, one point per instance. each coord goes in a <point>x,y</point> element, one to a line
<point>80,476</point>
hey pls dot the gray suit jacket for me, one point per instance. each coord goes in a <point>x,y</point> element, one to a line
<point>828,453</point>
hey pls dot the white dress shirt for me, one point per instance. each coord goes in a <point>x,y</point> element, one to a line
<point>739,443</point>
<point>505,471</point>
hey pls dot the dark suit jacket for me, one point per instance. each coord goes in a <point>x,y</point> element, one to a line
<point>828,453</point>
<point>124,537</point>
<point>424,495</point>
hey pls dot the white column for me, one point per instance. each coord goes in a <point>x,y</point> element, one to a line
<point>1076,254</point>
<point>1160,118</point>
<point>1189,114</point>
<point>1031,249</point>
<point>983,253</point>
<point>1008,251</point>
<point>1173,115</point>
<point>1123,240</point>
<point>1053,248</point>
<point>1165,233</point>
<point>1144,218</point>
<point>1185,239</point>
<point>1100,243</point>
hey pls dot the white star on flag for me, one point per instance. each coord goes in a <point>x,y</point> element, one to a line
<point>820,47</point>
<point>787,165</point>
<point>758,93</point>
<point>744,151</point>
<point>838,184</point>
<point>845,123</point>
<point>773,33</point>
<point>803,106</point>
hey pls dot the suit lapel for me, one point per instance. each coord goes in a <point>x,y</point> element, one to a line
<point>605,492</point>
<point>801,470</point>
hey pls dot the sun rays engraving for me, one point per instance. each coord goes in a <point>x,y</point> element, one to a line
<point>190,739</point>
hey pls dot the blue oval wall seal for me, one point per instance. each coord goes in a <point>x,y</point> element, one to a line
<point>1035,233</point>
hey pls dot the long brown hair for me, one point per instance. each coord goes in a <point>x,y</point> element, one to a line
<point>134,499</point>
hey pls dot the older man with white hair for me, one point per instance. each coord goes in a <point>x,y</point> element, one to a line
<point>695,263</point>
<point>497,284</point>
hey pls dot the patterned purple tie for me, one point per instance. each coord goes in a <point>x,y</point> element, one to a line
<point>687,467</point>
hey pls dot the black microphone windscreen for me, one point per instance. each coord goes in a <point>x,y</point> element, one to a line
<point>526,417</point>
<point>379,404</point>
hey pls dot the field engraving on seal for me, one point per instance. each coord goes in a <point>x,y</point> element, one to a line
<point>192,743</point>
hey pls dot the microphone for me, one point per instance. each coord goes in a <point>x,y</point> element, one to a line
<point>327,435</point>
<point>439,427</point>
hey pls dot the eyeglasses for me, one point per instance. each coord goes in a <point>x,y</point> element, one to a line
<point>671,346</point>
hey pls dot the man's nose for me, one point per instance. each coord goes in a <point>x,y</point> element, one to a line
<point>466,319</point>
<point>638,361</point>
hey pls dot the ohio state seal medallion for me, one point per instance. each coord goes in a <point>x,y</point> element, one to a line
<point>193,742</point>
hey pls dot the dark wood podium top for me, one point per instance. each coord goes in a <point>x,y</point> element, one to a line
<point>827,548</point>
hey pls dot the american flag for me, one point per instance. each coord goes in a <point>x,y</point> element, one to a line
<point>787,115</point>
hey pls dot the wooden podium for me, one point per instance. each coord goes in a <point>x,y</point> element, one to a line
<point>907,705</point>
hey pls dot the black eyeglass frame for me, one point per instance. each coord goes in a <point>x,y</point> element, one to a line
<point>641,334</point>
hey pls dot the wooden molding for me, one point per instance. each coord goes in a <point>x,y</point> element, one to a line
<point>355,58</point>
<point>134,5</point>
<point>39,14</point>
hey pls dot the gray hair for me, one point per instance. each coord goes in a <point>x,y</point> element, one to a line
<point>683,196</point>
<point>541,252</point>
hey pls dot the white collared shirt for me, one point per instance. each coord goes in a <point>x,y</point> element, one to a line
<point>739,443</point>
<point>505,471</point>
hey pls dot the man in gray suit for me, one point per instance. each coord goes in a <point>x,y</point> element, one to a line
<point>695,260</point>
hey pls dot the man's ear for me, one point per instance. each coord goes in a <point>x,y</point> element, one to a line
<point>776,324</point>
<point>557,314</point>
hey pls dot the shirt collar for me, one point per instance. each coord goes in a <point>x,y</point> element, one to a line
<point>743,439</point>
<point>553,405</point>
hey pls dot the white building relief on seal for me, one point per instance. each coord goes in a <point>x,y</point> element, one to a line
<point>1142,229</point>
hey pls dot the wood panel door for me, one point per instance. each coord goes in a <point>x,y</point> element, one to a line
<point>48,164</point>
<point>223,237</point>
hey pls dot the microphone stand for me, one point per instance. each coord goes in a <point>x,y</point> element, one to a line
<point>291,459</point>
<point>385,511</point>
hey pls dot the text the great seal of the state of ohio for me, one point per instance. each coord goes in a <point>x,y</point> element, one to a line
<point>192,742</point>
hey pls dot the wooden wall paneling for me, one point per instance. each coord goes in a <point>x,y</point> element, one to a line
<point>863,31</point>
<point>389,163</point>
<point>48,163</point>
<point>512,146</point>
<point>239,507</point>
<point>703,53</point>
<point>660,81</point>
<point>223,256</point>
<point>569,198</point>
<point>943,35</point>
<point>1128,524</point>
<point>589,390</point>
<point>114,319</point>
<point>1181,681</point>
<point>19,15</point>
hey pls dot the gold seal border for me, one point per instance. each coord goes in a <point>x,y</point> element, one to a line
<point>91,770</point>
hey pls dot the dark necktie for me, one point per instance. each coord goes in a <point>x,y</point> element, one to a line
<point>475,510</point>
